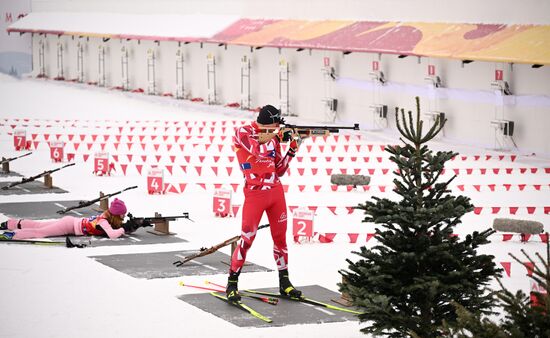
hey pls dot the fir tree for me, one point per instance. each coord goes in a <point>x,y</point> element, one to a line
<point>524,317</point>
<point>406,284</point>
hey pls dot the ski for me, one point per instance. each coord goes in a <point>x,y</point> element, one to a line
<point>67,243</point>
<point>243,307</point>
<point>304,300</point>
<point>269,300</point>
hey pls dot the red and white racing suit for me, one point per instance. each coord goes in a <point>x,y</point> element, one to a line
<point>262,165</point>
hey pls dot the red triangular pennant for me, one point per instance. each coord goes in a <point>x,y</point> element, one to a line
<point>507,267</point>
<point>235,209</point>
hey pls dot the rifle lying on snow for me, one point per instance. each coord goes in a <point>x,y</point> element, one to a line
<point>8,160</point>
<point>32,178</point>
<point>83,204</point>
<point>205,251</point>
<point>303,131</point>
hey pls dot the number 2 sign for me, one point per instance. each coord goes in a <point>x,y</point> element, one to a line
<point>302,224</point>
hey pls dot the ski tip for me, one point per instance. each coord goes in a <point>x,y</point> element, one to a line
<point>181,283</point>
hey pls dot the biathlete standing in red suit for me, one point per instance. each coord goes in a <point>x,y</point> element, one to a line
<point>262,164</point>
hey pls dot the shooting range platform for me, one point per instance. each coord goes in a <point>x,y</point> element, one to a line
<point>286,312</point>
<point>140,237</point>
<point>45,209</point>
<point>48,210</point>
<point>33,187</point>
<point>9,174</point>
<point>159,264</point>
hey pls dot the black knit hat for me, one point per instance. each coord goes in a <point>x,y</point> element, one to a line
<point>268,115</point>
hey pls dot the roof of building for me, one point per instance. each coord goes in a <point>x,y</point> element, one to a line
<point>464,41</point>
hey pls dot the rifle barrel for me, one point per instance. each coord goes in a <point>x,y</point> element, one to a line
<point>355,127</point>
<point>7,160</point>
<point>83,204</point>
<point>32,178</point>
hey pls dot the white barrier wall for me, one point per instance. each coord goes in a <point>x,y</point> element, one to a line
<point>467,97</point>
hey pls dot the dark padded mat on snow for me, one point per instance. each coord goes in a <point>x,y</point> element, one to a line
<point>48,210</point>
<point>159,264</point>
<point>45,209</point>
<point>286,312</point>
<point>11,173</point>
<point>34,187</point>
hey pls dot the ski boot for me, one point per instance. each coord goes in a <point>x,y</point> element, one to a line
<point>232,290</point>
<point>4,225</point>
<point>285,286</point>
<point>7,236</point>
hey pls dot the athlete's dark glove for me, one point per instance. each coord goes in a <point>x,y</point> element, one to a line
<point>134,223</point>
<point>130,225</point>
<point>284,135</point>
<point>145,223</point>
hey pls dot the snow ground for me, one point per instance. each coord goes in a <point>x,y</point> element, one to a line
<point>55,292</point>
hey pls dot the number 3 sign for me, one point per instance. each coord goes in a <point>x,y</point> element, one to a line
<point>302,224</point>
<point>155,181</point>
<point>222,202</point>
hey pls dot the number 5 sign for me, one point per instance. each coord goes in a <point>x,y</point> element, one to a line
<point>155,181</point>
<point>101,164</point>
<point>302,224</point>
<point>56,151</point>
<point>222,202</point>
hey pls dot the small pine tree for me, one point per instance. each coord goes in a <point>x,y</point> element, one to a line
<point>524,317</point>
<point>406,284</point>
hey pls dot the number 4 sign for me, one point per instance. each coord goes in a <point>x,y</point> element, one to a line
<point>222,202</point>
<point>56,151</point>
<point>302,224</point>
<point>155,181</point>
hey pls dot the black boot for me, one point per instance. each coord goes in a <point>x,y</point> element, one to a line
<point>4,225</point>
<point>285,286</point>
<point>232,290</point>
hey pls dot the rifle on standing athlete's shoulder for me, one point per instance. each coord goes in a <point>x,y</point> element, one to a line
<point>32,178</point>
<point>303,131</point>
<point>205,251</point>
<point>83,204</point>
